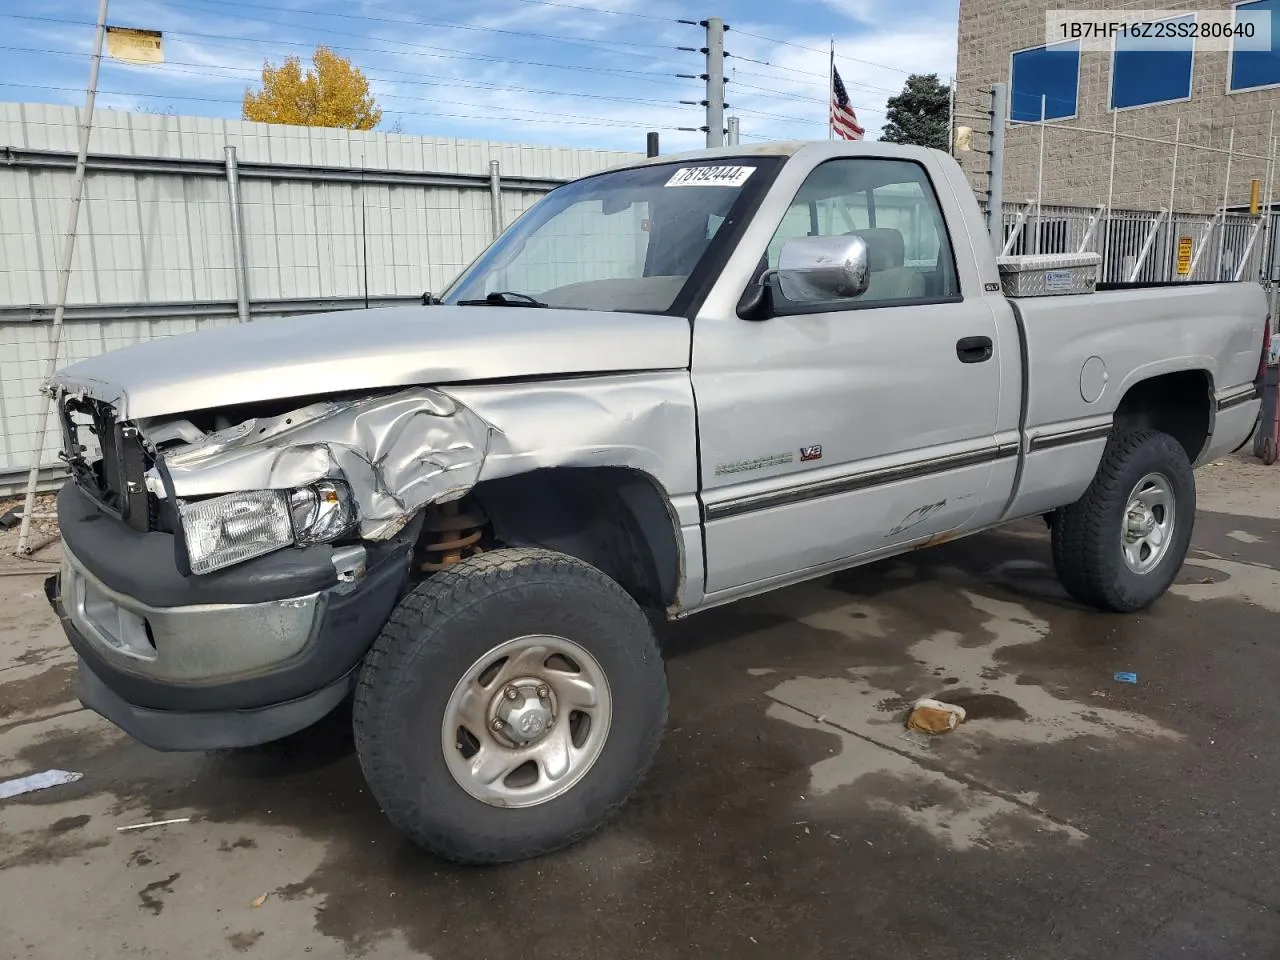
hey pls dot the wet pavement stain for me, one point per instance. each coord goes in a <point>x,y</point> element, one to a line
<point>54,685</point>
<point>243,942</point>
<point>148,893</point>
<point>984,706</point>
<point>66,824</point>
<point>1106,827</point>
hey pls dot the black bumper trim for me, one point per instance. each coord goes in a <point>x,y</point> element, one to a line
<point>345,627</point>
<point>185,730</point>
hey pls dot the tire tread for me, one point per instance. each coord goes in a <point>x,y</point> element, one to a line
<point>414,632</point>
<point>1082,535</point>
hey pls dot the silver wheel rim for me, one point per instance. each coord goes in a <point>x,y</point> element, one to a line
<point>1148,523</point>
<point>526,721</point>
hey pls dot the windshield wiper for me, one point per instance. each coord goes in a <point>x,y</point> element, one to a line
<point>504,298</point>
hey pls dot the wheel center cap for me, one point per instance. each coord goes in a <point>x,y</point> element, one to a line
<point>1140,522</point>
<point>525,717</point>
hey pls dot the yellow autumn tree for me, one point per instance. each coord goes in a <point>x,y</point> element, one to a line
<point>332,93</point>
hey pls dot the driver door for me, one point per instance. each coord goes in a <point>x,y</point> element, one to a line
<point>835,430</point>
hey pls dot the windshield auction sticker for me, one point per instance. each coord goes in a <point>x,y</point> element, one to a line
<point>726,176</point>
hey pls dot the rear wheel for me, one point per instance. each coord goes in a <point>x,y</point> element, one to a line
<point>1268,450</point>
<point>1121,544</point>
<point>510,706</point>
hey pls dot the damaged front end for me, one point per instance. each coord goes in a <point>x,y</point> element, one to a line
<point>233,485</point>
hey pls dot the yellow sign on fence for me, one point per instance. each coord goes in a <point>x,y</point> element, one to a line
<point>1185,245</point>
<point>135,46</point>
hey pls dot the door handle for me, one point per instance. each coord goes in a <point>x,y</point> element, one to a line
<point>974,349</point>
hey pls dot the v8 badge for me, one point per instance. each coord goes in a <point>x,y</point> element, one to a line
<point>811,453</point>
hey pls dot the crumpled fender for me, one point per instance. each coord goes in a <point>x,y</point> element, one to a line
<point>398,452</point>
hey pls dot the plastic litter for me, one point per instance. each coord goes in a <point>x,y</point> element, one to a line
<point>37,781</point>
<point>259,901</point>
<point>1124,676</point>
<point>152,823</point>
<point>934,716</point>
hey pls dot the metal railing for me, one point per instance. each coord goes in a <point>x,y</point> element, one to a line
<point>1149,246</point>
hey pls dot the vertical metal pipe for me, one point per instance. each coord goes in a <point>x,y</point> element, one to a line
<point>1040,178</point>
<point>1273,279</point>
<point>995,179</point>
<point>1111,192</point>
<point>64,279</point>
<point>238,247</point>
<point>831,91</point>
<point>1226,188</point>
<point>734,131</point>
<point>651,145</point>
<point>1268,244</point>
<point>715,82</point>
<point>1173,182</point>
<point>951,119</point>
<point>495,198</point>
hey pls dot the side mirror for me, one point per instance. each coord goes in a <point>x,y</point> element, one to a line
<point>814,269</point>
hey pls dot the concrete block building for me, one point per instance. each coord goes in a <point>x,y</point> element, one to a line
<point>1210,97</point>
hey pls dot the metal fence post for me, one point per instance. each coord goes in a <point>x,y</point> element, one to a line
<point>64,281</point>
<point>1226,189</point>
<point>238,251</point>
<point>995,176</point>
<point>495,197</point>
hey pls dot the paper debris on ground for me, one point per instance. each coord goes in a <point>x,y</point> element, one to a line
<point>152,823</point>
<point>37,781</point>
<point>934,716</point>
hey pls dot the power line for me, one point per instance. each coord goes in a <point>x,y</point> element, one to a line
<point>578,121</point>
<point>436,80</point>
<point>451,24</point>
<point>573,6</point>
<point>801,97</point>
<point>445,53</point>
<point>809,73</point>
<point>801,46</point>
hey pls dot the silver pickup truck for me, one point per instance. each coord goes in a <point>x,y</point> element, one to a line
<point>666,387</point>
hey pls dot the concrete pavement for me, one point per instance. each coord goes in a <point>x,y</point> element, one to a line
<point>787,814</point>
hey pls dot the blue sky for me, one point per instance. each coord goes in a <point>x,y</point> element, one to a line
<point>567,72</point>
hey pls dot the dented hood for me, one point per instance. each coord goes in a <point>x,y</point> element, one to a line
<point>353,350</point>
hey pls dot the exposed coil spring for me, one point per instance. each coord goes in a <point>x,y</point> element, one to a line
<point>452,532</point>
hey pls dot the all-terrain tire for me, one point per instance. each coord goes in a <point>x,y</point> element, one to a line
<point>437,634</point>
<point>1087,535</point>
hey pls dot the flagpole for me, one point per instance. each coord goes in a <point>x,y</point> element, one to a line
<point>831,90</point>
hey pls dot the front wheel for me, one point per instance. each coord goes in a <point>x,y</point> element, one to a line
<point>510,706</point>
<point>1121,544</point>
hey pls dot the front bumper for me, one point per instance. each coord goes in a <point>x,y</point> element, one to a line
<point>209,671</point>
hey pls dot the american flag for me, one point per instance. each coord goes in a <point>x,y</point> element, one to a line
<point>843,120</point>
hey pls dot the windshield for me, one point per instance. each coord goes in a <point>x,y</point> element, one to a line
<point>623,241</point>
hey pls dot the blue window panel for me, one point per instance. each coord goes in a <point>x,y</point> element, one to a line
<point>1143,76</point>
<point>1051,72</point>
<point>1258,68</point>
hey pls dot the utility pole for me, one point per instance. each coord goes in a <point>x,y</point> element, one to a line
<point>715,81</point>
<point>995,176</point>
<point>734,124</point>
<point>64,278</point>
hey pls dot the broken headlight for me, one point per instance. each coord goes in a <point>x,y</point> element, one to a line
<point>322,512</point>
<point>223,531</point>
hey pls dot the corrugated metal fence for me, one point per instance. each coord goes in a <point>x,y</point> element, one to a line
<point>331,219</point>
